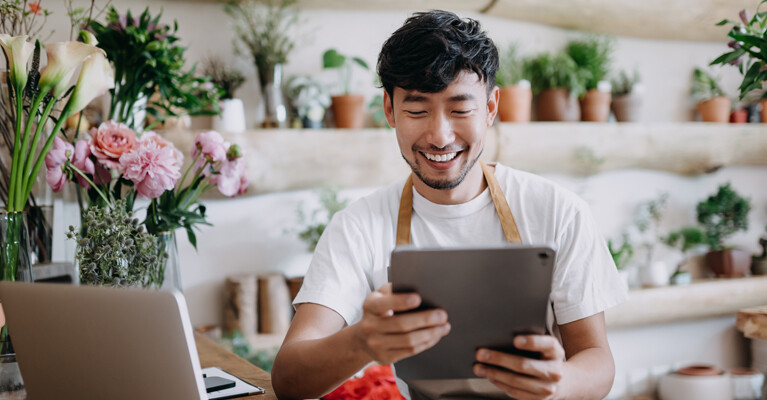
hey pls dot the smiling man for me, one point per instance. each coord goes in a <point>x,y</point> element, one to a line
<point>438,74</point>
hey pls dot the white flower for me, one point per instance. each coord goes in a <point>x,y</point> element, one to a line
<point>17,51</point>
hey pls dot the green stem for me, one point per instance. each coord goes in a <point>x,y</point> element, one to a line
<point>13,188</point>
<point>48,144</point>
<point>93,185</point>
<point>26,152</point>
<point>25,177</point>
<point>183,178</point>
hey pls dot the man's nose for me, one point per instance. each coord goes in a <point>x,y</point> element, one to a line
<point>440,131</point>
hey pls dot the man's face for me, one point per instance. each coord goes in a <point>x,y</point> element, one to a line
<point>441,135</point>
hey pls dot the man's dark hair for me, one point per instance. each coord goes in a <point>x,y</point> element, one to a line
<point>429,51</point>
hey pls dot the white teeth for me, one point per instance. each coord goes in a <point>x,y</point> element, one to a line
<point>440,157</point>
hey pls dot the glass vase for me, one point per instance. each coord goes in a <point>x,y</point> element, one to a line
<point>169,270</point>
<point>276,114</point>
<point>15,265</point>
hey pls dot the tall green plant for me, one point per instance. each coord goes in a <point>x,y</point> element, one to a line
<point>593,56</point>
<point>623,83</point>
<point>512,67</point>
<point>556,71</point>
<point>722,214</point>
<point>332,59</point>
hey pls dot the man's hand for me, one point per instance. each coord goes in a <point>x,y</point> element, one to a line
<point>526,378</point>
<point>387,337</point>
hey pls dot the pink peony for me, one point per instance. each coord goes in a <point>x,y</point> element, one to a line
<point>212,146</point>
<point>55,162</point>
<point>151,168</point>
<point>82,161</point>
<point>161,142</point>
<point>230,177</point>
<point>110,141</point>
<point>244,182</point>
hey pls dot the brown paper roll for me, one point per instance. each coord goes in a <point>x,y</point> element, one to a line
<point>241,308</point>
<point>273,304</point>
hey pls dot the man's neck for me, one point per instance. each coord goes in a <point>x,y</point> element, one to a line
<point>471,186</point>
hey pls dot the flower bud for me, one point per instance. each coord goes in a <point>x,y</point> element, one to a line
<point>234,152</point>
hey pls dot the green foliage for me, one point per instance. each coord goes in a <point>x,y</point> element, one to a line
<point>149,61</point>
<point>314,224</point>
<point>621,255</point>
<point>263,28</point>
<point>20,17</point>
<point>704,86</point>
<point>239,345</point>
<point>513,68</point>
<point>178,209</point>
<point>229,80</point>
<point>114,250</point>
<point>593,57</point>
<point>686,239</point>
<point>749,50</point>
<point>556,71</point>
<point>333,59</point>
<point>723,214</point>
<point>623,84</point>
<point>376,108</point>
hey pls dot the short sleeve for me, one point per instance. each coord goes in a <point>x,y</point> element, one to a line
<point>336,277</point>
<point>585,280</point>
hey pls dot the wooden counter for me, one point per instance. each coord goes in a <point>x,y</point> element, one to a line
<point>213,355</point>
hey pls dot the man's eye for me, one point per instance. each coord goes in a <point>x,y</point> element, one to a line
<point>415,112</point>
<point>461,112</point>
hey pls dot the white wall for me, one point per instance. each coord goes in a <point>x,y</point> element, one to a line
<point>666,66</point>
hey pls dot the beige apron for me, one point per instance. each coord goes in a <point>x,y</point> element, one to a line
<point>456,389</point>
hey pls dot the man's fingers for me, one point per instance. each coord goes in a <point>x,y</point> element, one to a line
<point>385,304</point>
<point>407,345</point>
<point>549,370</point>
<point>413,321</point>
<point>548,346</point>
<point>531,385</point>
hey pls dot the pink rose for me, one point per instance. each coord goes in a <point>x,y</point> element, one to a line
<point>161,142</point>
<point>110,141</point>
<point>151,168</point>
<point>212,146</point>
<point>230,177</point>
<point>55,162</point>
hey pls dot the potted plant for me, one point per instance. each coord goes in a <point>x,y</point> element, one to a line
<point>309,99</point>
<point>556,82</point>
<point>515,93</point>
<point>685,239</point>
<point>626,96</point>
<point>721,215</point>
<point>593,57</point>
<point>348,109</point>
<point>264,30</point>
<point>747,38</point>
<point>622,256</point>
<point>713,105</point>
<point>232,117</point>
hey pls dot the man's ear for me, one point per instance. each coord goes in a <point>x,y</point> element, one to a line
<point>492,105</point>
<point>388,109</point>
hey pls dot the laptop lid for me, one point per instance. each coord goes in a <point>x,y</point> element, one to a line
<point>86,342</point>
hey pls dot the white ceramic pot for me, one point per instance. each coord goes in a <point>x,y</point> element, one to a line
<point>655,274</point>
<point>746,384</point>
<point>681,387</point>
<point>232,118</point>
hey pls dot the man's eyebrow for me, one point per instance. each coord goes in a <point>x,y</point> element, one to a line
<point>461,97</point>
<point>414,98</point>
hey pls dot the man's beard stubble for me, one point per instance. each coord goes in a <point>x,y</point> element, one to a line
<point>442,184</point>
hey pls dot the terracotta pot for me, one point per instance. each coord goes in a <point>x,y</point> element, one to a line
<point>729,263</point>
<point>515,103</point>
<point>595,106</point>
<point>699,370</point>
<point>627,107</point>
<point>557,105</point>
<point>349,111</point>
<point>763,113</point>
<point>739,116</point>
<point>716,109</point>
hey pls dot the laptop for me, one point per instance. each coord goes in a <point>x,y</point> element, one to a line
<point>86,342</point>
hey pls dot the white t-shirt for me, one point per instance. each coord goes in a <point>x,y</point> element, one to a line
<point>352,255</point>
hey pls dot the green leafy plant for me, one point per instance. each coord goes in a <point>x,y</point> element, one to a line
<point>149,62</point>
<point>704,86</point>
<point>229,80</point>
<point>114,249</point>
<point>623,83</point>
<point>549,71</point>
<point>749,49</point>
<point>593,56</point>
<point>308,97</point>
<point>314,224</point>
<point>513,68</point>
<point>722,214</point>
<point>686,238</point>
<point>333,59</point>
<point>621,254</point>
<point>21,17</point>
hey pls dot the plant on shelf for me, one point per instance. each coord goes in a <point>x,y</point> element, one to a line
<point>309,99</point>
<point>556,82</point>
<point>593,56</point>
<point>264,30</point>
<point>685,239</point>
<point>232,117</point>
<point>621,254</point>
<point>513,78</point>
<point>348,109</point>
<point>150,77</point>
<point>626,96</point>
<point>314,223</point>
<point>713,105</point>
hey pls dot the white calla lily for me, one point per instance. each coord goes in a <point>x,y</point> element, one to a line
<point>96,77</point>
<point>17,51</point>
<point>89,37</point>
<point>63,60</point>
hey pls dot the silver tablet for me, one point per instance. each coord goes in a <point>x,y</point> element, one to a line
<point>490,294</point>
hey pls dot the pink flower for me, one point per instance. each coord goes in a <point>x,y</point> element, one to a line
<point>244,182</point>
<point>161,142</point>
<point>230,178</point>
<point>55,162</point>
<point>82,161</point>
<point>110,141</point>
<point>212,146</point>
<point>151,168</point>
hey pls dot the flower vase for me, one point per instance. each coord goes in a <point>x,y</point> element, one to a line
<point>14,266</point>
<point>232,117</point>
<point>276,114</point>
<point>169,270</point>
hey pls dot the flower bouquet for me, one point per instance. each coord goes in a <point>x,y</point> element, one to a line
<point>115,163</point>
<point>377,383</point>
